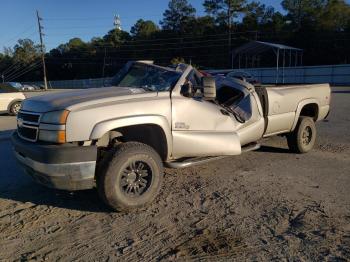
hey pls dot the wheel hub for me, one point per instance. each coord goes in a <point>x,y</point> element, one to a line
<point>136,178</point>
<point>307,135</point>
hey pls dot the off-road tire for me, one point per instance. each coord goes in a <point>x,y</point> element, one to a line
<point>303,138</point>
<point>14,108</point>
<point>111,176</point>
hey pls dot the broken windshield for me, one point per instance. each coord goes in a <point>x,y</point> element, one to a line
<point>148,77</point>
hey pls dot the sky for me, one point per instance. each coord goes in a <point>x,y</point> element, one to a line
<point>65,19</point>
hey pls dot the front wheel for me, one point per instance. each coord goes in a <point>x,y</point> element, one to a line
<point>303,138</point>
<point>131,178</point>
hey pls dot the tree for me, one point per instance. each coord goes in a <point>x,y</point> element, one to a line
<point>25,51</point>
<point>225,11</point>
<point>143,28</point>
<point>304,13</point>
<point>336,16</point>
<point>178,14</point>
<point>116,37</point>
<point>200,26</point>
<point>257,15</point>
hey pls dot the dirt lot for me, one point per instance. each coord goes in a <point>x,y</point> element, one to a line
<point>264,205</point>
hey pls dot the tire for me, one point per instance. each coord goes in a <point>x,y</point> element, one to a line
<point>130,177</point>
<point>14,108</point>
<point>303,138</point>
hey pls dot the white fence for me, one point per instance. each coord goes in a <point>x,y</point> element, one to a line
<point>333,74</point>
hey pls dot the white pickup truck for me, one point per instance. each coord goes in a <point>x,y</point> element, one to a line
<point>118,138</point>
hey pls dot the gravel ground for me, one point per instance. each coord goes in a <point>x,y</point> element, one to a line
<point>263,205</point>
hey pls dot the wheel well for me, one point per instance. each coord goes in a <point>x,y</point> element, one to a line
<point>149,134</point>
<point>12,102</point>
<point>310,110</point>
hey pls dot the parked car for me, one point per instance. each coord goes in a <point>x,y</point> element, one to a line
<point>27,87</point>
<point>244,76</point>
<point>10,99</point>
<point>119,138</point>
<point>21,87</point>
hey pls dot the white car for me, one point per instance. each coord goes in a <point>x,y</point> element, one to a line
<point>10,102</point>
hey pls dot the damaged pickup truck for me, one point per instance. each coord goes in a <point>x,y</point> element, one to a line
<point>118,138</point>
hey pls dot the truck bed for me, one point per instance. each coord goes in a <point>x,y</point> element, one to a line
<point>282,104</point>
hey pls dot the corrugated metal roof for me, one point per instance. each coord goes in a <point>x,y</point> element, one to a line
<point>257,47</point>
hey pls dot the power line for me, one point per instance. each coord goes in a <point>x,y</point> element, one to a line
<point>100,61</point>
<point>95,18</point>
<point>18,69</point>
<point>17,35</point>
<point>183,45</point>
<point>11,67</point>
<point>26,70</point>
<point>184,37</point>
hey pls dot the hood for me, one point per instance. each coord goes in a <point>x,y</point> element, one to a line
<point>70,99</point>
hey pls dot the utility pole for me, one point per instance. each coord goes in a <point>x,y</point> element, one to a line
<point>42,47</point>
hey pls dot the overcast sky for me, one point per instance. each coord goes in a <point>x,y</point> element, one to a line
<point>65,19</point>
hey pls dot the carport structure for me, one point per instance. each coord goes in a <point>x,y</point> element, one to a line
<point>252,51</point>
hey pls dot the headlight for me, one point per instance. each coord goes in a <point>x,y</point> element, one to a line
<point>52,127</point>
<point>56,136</point>
<point>55,117</point>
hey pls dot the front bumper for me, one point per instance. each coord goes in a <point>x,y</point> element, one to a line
<point>66,167</point>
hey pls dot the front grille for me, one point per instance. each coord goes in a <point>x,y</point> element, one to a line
<point>28,132</point>
<point>29,117</point>
<point>28,125</point>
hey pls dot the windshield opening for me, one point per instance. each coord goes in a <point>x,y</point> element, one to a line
<point>147,77</point>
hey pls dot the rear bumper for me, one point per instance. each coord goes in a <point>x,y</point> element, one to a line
<point>65,167</point>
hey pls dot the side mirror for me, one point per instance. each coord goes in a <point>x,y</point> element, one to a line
<point>209,87</point>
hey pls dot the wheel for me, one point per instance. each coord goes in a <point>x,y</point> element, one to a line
<point>131,176</point>
<point>303,138</point>
<point>14,108</point>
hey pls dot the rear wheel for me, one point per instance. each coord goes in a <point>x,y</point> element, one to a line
<point>131,178</point>
<point>14,108</point>
<point>303,138</point>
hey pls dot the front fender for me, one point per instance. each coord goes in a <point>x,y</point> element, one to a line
<point>103,127</point>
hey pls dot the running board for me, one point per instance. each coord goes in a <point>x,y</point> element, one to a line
<point>192,161</point>
<point>187,162</point>
<point>250,147</point>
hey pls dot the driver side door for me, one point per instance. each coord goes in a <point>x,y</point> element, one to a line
<point>202,128</point>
